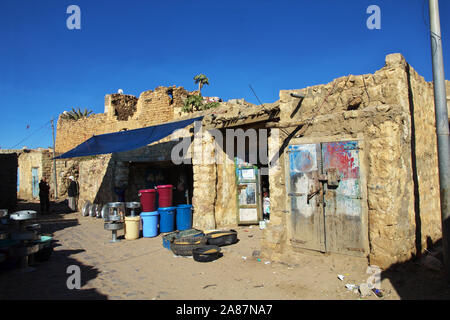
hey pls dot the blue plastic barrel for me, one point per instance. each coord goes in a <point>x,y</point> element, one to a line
<point>184,216</point>
<point>167,219</point>
<point>150,224</point>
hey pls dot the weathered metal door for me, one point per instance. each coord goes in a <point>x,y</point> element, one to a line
<point>304,192</point>
<point>325,197</point>
<point>248,194</point>
<point>34,182</point>
<point>343,211</point>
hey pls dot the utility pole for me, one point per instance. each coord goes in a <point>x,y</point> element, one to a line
<point>54,161</point>
<point>442,131</point>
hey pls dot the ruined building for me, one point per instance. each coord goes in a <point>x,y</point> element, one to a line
<point>354,167</point>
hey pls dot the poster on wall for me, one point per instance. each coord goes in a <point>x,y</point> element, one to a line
<point>247,174</point>
<point>248,195</point>
<point>248,215</point>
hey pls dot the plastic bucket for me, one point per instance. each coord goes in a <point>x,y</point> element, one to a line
<point>165,196</point>
<point>184,216</point>
<point>147,198</point>
<point>132,227</point>
<point>167,219</point>
<point>150,224</point>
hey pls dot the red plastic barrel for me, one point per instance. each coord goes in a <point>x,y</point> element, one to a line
<point>165,195</point>
<point>147,198</point>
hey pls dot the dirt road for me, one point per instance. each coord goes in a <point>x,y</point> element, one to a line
<point>144,269</point>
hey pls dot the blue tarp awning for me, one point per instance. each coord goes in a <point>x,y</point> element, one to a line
<point>125,140</point>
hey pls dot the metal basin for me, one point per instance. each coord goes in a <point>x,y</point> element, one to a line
<point>93,210</point>
<point>23,215</point>
<point>116,204</point>
<point>105,212</point>
<point>86,208</point>
<point>114,226</point>
<point>133,205</point>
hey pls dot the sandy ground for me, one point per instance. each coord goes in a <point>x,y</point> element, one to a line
<point>144,269</point>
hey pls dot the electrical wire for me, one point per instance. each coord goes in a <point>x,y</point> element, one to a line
<point>31,134</point>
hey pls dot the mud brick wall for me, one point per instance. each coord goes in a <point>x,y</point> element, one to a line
<point>8,178</point>
<point>28,159</point>
<point>122,112</point>
<point>399,177</point>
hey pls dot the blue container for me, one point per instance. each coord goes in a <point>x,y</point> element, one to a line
<point>167,219</point>
<point>150,224</point>
<point>184,216</point>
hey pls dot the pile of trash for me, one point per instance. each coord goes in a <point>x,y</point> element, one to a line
<point>371,286</point>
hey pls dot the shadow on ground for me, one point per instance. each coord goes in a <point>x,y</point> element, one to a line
<point>420,278</point>
<point>49,280</point>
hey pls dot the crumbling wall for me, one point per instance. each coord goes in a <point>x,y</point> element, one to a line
<point>122,112</point>
<point>374,109</point>
<point>120,106</point>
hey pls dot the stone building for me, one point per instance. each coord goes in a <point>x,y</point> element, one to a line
<point>33,164</point>
<point>350,166</point>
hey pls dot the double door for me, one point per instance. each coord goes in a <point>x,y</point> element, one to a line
<point>324,197</point>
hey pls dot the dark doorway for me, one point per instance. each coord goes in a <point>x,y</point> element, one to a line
<point>147,175</point>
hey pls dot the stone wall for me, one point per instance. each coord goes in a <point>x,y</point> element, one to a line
<point>8,178</point>
<point>64,169</point>
<point>380,111</point>
<point>96,180</point>
<point>122,112</point>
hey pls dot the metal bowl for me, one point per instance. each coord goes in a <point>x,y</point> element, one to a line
<point>86,208</point>
<point>105,212</point>
<point>98,211</point>
<point>93,210</point>
<point>116,204</point>
<point>23,215</point>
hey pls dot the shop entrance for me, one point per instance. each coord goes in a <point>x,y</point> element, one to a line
<point>148,175</point>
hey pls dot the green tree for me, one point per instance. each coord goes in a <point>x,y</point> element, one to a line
<point>192,103</point>
<point>201,80</point>
<point>76,114</point>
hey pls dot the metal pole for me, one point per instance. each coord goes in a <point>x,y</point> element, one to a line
<point>54,161</point>
<point>442,131</point>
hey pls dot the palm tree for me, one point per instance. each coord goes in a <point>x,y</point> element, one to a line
<point>201,80</point>
<point>76,114</point>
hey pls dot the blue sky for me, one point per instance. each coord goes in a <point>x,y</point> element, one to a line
<point>137,45</point>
